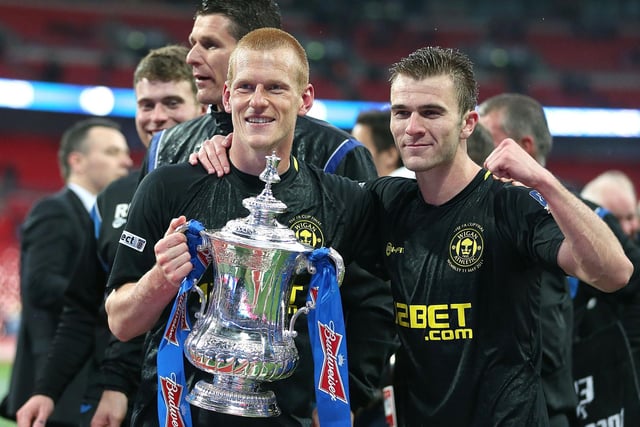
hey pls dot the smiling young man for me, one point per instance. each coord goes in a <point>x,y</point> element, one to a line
<point>217,27</point>
<point>165,92</point>
<point>465,253</point>
<point>267,89</point>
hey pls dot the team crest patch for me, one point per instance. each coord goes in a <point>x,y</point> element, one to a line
<point>132,241</point>
<point>538,198</point>
<point>307,230</point>
<point>466,248</point>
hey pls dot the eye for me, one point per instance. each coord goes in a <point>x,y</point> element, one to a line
<point>276,88</point>
<point>401,114</point>
<point>113,151</point>
<point>244,88</point>
<point>173,102</point>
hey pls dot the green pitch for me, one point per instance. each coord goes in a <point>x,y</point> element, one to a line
<point>5,372</point>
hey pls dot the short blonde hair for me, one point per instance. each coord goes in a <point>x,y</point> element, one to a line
<point>271,39</point>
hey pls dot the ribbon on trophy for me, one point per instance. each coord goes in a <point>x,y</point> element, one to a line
<point>173,409</point>
<point>328,343</point>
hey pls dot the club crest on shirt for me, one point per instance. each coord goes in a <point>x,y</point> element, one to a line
<point>466,248</point>
<point>307,230</point>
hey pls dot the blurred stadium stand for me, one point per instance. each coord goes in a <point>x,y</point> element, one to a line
<point>562,52</point>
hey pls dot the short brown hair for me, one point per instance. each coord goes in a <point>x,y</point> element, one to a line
<point>74,139</point>
<point>435,61</point>
<point>166,64</point>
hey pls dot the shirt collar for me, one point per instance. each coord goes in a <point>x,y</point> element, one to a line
<point>86,197</point>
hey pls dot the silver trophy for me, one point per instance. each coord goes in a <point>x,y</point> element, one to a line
<point>243,338</point>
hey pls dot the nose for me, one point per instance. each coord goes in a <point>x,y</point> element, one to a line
<point>126,159</point>
<point>258,98</point>
<point>159,114</point>
<point>194,57</point>
<point>414,126</point>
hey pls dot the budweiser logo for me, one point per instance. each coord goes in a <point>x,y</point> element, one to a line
<point>178,321</point>
<point>313,295</point>
<point>172,395</point>
<point>330,378</point>
<point>204,255</point>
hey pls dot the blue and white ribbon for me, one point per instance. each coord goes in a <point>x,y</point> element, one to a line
<point>173,409</point>
<point>328,343</point>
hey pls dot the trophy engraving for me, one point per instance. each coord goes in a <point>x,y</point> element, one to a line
<point>243,338</point>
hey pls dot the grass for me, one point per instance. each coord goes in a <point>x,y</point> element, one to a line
<point>5,373</point>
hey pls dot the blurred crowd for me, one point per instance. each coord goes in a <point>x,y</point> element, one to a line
<point>546,49</point>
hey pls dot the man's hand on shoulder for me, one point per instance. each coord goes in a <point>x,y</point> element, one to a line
<point>213,155</point>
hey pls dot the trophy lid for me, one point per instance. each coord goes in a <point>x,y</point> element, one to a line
<point>261,228</point>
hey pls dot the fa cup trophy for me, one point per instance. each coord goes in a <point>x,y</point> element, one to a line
<point>241,337</point>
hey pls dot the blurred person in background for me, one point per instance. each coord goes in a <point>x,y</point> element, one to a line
<point>165,95</point>
<point>366,299</point>
<point>614,191</point>
<point>372,129</point>
<point>522,118</point>
<point>480,144</point>
<point>638,218</point>
<point>93,153</point>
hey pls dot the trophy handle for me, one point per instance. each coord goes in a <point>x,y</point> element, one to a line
<point>339,262</point>
<point>302,310</point>
<point>303,262</point>
<point>201,248</point>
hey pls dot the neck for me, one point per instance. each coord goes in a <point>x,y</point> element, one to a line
<point>443,183</point>
<point>83,183</point>
<point>254,162</point>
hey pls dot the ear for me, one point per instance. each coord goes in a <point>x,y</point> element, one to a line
<point>529,145</point>
<point>469,122</point>
<point>76,161</point>
<point>226,94</point>
<point>308,95</point>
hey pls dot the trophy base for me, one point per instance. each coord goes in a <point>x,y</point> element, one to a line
<point>234,396</point>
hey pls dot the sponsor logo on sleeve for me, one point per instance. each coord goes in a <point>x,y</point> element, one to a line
<point>132,241</point>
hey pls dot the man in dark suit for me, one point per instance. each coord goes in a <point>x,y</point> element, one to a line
<point>92,153</point>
